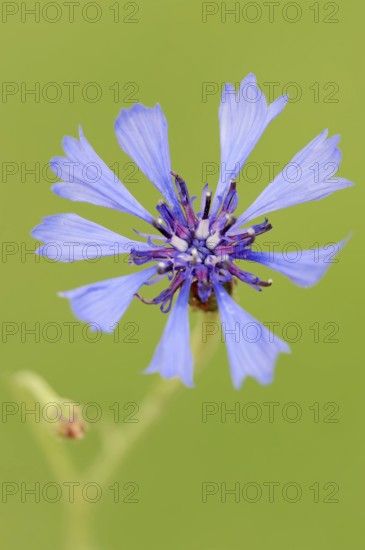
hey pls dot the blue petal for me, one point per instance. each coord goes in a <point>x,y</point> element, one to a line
<point>86,178</point>
<point>173,355</point>
<point>307,177</point>
<point>142,134</point>
<point>252,348</point>
<point>104,303</point>
<point>69,237</point>
<point>304,267</point>
<point>243,119</point>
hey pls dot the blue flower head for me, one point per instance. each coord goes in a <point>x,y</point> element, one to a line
<point>198,246</point>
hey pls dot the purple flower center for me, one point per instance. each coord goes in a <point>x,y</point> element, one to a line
<point>200,247</point>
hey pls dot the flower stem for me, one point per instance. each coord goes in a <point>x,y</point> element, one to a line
<point>78,533</point>
<point>120,442</point>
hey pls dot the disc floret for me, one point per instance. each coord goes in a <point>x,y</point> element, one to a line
<point>201,247</point>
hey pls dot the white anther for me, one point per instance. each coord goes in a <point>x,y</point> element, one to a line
<point>251,231</point>
<point>213,241</point>
<point>179,244</point>
<point>270,281</point>
<point>202,231</point>
<point>195,258</point>
<point>161,267</point>
<point>213,260</point>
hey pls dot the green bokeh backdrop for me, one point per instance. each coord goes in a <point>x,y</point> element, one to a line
<point>168,55</point>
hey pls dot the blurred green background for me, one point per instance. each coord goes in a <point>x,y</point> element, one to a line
<point>164,52</point>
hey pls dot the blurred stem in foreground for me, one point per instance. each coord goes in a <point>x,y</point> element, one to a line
<point>117,442</point>
<point>33,389</point>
